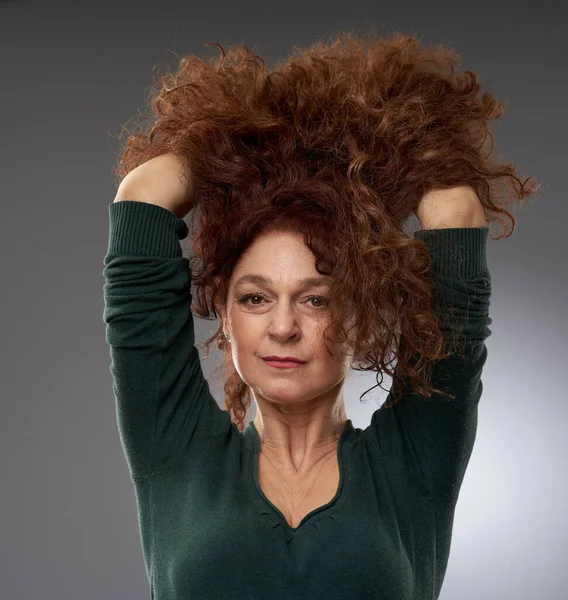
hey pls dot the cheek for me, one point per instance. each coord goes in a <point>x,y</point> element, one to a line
<point>332,363</point>
<point>340,363</point>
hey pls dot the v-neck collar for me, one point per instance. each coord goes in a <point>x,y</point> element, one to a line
<point>252,433</point>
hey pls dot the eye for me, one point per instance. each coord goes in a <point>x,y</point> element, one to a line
<point>245,300</point>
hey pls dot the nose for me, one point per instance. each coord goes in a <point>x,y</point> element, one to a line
<point>284,324</point>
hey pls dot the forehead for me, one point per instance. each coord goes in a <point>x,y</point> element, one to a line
<point>278,256</point>
<point>264,280</point>
<point>275,247</point>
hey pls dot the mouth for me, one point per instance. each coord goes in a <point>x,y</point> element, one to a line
<point>283,364</point>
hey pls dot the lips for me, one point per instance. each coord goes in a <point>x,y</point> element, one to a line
<point>284,359</point>
<point>283,364</point>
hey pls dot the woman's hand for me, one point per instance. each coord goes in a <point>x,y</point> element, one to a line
<point>159,181</point>
<point>454,207</point>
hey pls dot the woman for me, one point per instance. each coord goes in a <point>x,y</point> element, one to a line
<point>304,178</point>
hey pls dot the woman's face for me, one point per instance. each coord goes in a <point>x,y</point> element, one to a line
<point>283,318</point>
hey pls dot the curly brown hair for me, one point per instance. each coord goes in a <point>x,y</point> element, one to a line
<point>339,143</point>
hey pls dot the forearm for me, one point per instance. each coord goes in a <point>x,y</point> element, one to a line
<point>455,207</point>
<point>159,181</point>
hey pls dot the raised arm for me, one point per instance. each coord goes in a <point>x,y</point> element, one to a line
<point>163,402</point>
<point>432,438</point>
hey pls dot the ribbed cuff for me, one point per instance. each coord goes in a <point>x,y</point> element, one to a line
<point>458,252</point>
<point>145,229</point>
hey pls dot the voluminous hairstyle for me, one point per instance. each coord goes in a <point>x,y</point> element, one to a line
<point>338,143</point>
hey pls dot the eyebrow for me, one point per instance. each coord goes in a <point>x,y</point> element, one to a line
<point>306,282</point>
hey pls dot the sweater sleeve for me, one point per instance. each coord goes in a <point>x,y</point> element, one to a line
<point>163,401</point>
<point>432,438</point>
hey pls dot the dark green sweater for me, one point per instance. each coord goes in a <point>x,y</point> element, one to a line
<point>207,530</point>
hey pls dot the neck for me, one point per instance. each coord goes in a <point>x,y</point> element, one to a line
<point>297,440</point>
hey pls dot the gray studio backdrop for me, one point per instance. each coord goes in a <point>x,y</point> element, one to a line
<point>72,74</point>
